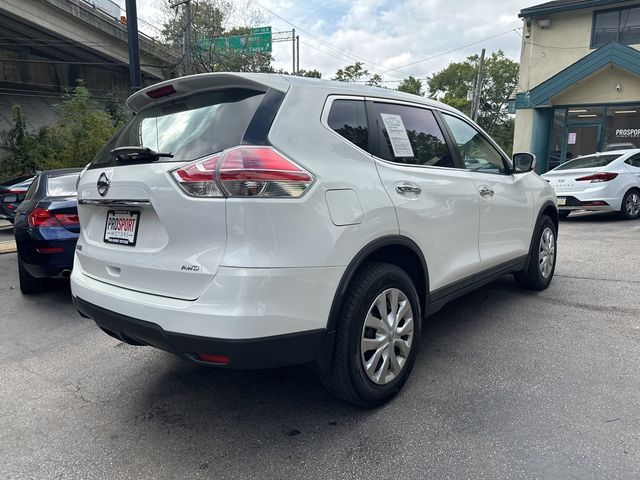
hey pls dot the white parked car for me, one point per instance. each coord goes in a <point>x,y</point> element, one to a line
<point>256,220</point>
<point>600,182</point>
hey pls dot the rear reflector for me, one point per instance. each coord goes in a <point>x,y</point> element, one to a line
<point>598,177</point>
<point>597,203</point>
<point>162,92</point>
<point>50,250</point>
<point>244,172</point>
<point>212,358</point>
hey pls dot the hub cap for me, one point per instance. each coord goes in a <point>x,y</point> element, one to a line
<point>387,336</point>
<point>632,205</point>
<point>547,252</point>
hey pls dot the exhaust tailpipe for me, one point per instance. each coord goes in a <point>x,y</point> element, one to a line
<point>66,273</point>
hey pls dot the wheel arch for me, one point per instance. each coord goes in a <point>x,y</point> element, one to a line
<point>394,249</point>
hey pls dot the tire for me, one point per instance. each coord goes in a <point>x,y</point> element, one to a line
<point>563,214</point>
<point>538,274</point>
<point>28,283</point>
<point>347,378</point>
<point>630,209</point>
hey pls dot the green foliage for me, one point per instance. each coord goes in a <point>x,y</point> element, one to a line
<point>18,142</point>
<point>352,73</point>
<point>73,140</point>
<point>453,85</point>
<point>310,73</point>
<point>81,130</point>
<point>411,85</point>
<point>357,73</point>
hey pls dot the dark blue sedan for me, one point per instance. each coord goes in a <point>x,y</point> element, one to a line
<point>46,228</point>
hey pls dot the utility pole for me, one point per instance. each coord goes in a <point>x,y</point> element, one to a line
<point>134,49</point>
<point>188,69</point>
<point>293,50</point>
<point>297,54</point>
<point>477,89</point>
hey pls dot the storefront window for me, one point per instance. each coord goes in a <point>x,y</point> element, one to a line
<point>622,127</point>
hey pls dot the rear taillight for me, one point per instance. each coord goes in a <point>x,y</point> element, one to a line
<point>198,178</point>
<point>598,177</point>
<point>41,217</point>
<point>244,172</point>
<point>68,219</point>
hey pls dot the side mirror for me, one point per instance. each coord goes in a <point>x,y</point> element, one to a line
<point>10,198</point>
<point>523,162</point>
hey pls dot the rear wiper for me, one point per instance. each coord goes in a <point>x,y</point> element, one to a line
<point>137,153</point>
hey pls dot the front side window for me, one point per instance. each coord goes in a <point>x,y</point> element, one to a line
<point>411,136</point>
<point>621,25</point>
<point>477,153</point>
<point>349,119</point>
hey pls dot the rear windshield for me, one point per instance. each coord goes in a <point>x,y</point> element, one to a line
<point>189,128</point>
<point>62,186</point>
<point>592,161</point>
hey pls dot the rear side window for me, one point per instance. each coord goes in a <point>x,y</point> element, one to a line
<point>411,136</point>
<point>33,188</point>
<point>634,161</point>
<point>592,161</point>
<point>349,119</point>
<point>189,128</point>
<point>62,186</point>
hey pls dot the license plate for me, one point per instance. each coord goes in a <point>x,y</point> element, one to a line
<point>562,201</point>
<point>122,227</point>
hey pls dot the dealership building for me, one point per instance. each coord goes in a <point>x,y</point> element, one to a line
<point>579,85</point>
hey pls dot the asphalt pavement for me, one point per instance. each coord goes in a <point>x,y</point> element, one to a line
<point>509,384</point>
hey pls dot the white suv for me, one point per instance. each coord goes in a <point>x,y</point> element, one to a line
<point>257,220</point>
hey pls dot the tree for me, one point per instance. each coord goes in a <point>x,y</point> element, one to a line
<point>211,20</point>
<point>81,130</point>
<point>453,85</point>
<point>357,73</point>
<point>411,85</point>
<point>17,142</point>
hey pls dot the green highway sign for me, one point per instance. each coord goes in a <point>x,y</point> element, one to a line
<point>258,40</point>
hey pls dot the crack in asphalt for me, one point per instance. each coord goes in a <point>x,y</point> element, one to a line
<point>618,280</point>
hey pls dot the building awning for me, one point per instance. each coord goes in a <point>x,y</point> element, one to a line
<point>612,53</point>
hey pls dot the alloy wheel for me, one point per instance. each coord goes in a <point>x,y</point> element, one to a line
<point>387,336</point>
<point>547,252</point>
<point>632,204</point>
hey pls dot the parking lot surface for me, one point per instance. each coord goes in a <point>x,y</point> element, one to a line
<point>509,384</point>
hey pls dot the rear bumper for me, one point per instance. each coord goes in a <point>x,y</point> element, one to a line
<point>41,265</point>
<point>251,353</point>
<point>597,205</point>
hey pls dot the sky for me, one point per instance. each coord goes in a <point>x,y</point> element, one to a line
<point>395,38</point>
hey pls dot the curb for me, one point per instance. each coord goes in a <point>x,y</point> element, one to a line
<point>7,247</point>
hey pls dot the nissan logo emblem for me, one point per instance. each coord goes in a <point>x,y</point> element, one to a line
<point>103,184</point>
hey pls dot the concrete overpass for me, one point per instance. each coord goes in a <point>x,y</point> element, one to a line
<point>47,45</point>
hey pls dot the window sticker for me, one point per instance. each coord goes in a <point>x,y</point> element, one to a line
<point>397,135</point>
<point>573,136</point>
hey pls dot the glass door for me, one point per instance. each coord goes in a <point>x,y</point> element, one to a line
<point>581,139</point>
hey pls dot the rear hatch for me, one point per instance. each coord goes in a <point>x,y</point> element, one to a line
<point>564,178</point>
<point>140,230</point>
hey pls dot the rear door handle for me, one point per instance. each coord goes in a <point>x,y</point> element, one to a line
<point>406,187</point>
<point>486,191</point>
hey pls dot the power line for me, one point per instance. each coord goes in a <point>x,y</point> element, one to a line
<point>454,50</point>
<point>344,52</point>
